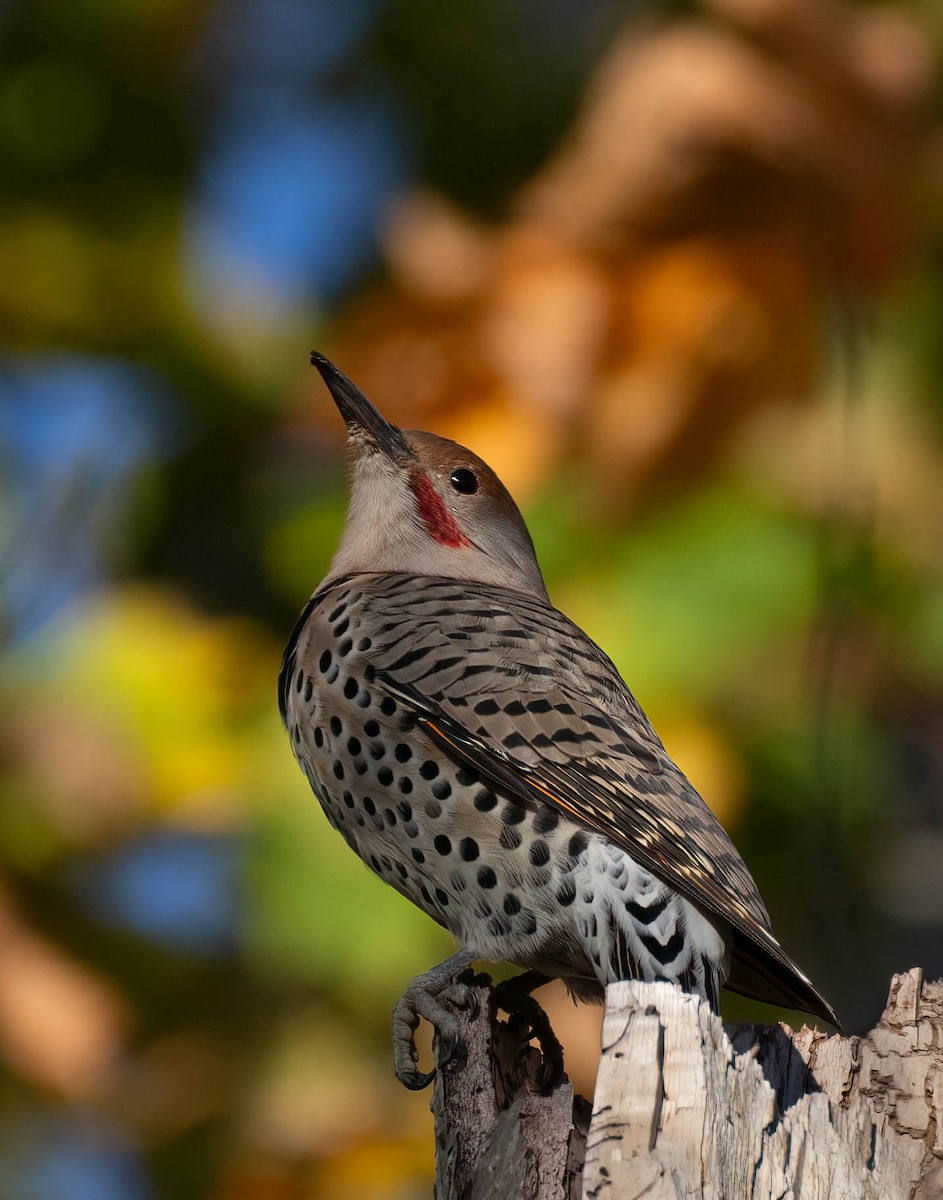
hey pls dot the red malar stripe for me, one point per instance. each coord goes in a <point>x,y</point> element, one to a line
<point>436,517</point>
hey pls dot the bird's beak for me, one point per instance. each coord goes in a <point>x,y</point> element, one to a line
<point>359,414</point>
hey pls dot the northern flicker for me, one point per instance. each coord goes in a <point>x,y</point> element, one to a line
<point>485,758</point>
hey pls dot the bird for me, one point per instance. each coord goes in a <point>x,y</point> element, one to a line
<point>484,757</point>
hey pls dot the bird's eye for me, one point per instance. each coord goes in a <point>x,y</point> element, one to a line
<point>464,481</point>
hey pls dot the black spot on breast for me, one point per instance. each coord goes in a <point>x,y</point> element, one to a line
<point>527,924</point>
<point>389,817</point>
<point>429,769</point>
<point>324,662</point>
<point>510,837</point>
<point>351,688</point>
<point>487,877</point>
<point>546,820</point>
<point>309,689</point>
<point>388,706</point>
<point>371,729</point>
<point>511,904</point>
<point>405,784</point>
<point>385,776</point>
<point>336,726</point>
<point>468,849</point>
<point>411,829</point>
<point>299,681</point>
<point>369,805</point>
<point>418,855</point>
<point>402,872</point>
<point>442,896</point>
<point>402,753</point>
<point>442,844</point>
<point>513,814</point>
<point>348,799</point>
<point>577,844</point>
<point>344,648</point>
<point>364,644</point>
<point>441,789</point>
<point>353,745</point>
<point>405,809</point>
<point>539,852</point>
<point>485,800</point>
<point>566,893</point>
<point>341,627</point>
<point>433,809</point>
<point>319,737</point>
<point>338,770</point>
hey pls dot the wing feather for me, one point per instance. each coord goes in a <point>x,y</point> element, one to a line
<point>507,684</point>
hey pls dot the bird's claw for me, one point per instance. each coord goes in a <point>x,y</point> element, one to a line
<point>415,1080</point>
<point>437,995</point>
<point>434,995</point>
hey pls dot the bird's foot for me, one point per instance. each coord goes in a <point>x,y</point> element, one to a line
<point>432,995</point>
<point>528,1020</point>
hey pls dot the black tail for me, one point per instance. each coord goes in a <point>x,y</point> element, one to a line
<point>757,973</point>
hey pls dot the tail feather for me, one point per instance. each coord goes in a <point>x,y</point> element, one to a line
<point>758,975</point>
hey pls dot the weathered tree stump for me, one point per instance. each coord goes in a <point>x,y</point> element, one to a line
<point>685,1107</point>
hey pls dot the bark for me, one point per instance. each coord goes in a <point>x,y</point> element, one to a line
<point>496,1135</point>
<point>687,1108</point>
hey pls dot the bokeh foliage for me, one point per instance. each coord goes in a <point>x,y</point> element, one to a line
<point>674,270</point>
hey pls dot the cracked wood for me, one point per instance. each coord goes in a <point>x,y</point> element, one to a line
<point>685,1108</point>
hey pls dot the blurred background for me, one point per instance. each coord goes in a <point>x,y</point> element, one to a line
<point>675,270</point>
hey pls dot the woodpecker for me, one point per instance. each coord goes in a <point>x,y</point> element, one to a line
<point>484,757</point>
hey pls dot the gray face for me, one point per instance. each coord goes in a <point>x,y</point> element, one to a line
<point>424,505</point>
<point>436,510</point>
<point>478,502</point>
